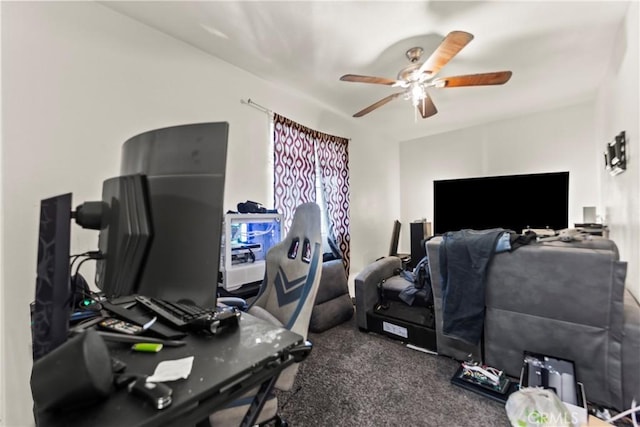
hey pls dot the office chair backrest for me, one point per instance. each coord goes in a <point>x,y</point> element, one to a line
<point>293,269</point>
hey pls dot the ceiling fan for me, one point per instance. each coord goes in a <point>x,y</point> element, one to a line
<point>417,77</point>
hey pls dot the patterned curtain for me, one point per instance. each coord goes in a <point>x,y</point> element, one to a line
<point>333,156</point>
<point>293,167</point>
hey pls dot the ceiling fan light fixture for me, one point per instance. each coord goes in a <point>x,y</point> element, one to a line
<point>416,93</point>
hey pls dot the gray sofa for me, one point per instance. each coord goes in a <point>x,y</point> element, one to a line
<point>565,299</point>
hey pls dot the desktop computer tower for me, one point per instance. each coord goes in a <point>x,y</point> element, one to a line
<point>246,239</point>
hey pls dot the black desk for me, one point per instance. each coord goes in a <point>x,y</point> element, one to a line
<point>224,367</point>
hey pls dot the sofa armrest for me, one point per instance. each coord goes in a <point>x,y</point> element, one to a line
<point>366,285</point>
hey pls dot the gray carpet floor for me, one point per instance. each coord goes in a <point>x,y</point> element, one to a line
<point>353,378</point>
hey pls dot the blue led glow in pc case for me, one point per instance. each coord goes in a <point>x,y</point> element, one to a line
<point>245,242</point>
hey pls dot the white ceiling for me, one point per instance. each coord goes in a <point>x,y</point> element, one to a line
<point>558,51</point>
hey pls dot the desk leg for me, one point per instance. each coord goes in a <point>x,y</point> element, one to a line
<point>294,355</point>
<point>258,402</point>
<point>255,407</point>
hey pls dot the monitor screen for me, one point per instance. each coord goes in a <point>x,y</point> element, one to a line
<point>512,202</point>
<point>184,168</point>
<point>51,309</point>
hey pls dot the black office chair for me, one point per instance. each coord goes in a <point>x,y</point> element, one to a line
<point>286,298</point>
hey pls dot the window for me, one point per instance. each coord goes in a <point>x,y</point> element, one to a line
<point>310,166</point>
<point>320,200</point>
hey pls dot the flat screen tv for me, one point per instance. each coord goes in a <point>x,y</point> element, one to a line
<point>512,202</point>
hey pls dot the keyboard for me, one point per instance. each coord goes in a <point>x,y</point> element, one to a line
<point>178,315</point>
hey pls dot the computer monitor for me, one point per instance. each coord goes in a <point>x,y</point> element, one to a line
<point>184,168</point>
<point>51,309</point>
<point>125,234</point>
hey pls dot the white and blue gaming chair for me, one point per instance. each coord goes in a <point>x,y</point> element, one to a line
<point>286,298</point>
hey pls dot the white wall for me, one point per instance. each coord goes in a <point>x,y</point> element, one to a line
<point>2,299</point>
<point>78,80</point>
<point>550,141</point>
<point>618,110</point>
<point>571,138</point>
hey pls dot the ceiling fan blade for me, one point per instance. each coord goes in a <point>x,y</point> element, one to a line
<point>427,108</point>
<point>483,79</point>
<point>378,104</point>
<point>450,46</point>
<point>367,79</point>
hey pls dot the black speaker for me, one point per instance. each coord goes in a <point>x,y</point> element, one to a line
<point>77,372</point>
<point>419,231</point>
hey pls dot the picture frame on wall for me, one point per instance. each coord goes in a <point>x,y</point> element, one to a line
<point>615,158</point>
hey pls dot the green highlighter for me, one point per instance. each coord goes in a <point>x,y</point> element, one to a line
<point>146,347</point>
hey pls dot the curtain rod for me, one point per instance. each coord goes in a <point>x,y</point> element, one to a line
<point>259,107</point>
<point>250,103</point>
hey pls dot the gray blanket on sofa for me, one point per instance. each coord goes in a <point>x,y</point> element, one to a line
<point>464,258</point>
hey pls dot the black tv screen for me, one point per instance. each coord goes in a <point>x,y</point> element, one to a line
<point>512,202</point>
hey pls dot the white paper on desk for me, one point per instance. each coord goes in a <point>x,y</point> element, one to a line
<point>171,370</point>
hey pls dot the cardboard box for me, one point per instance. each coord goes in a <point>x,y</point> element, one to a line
<point>596,422</point>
